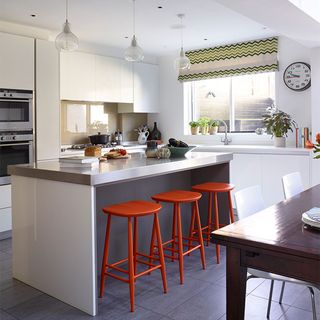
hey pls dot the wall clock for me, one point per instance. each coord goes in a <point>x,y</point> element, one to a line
<point>297,76</point>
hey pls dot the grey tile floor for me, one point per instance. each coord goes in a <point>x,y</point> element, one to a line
<point>201,297</point>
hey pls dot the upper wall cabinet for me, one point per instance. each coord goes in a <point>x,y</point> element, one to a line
<point>16,62</point>
<point>146,87</point>
<point>77,76</point>
<point>89,77</point>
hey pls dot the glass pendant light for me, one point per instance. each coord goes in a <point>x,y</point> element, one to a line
<point>182,62</point>
<point>66,40</point>
<point>134,53</point>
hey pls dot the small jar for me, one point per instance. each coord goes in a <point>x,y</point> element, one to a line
<point>152,148</point>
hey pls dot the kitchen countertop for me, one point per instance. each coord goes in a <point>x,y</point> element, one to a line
<point>254,149</point>
<point>116,170</point>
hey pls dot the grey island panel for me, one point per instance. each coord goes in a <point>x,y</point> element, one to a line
<point>115,171</point>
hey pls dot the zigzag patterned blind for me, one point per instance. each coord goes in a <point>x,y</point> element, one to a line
<point>231,60</point>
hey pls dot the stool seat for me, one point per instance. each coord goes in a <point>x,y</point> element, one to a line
<point>213,187</point>
<point>177,196</point>
<point>135,208</point>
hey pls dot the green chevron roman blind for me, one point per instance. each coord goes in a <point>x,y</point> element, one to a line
<point>231,60</point>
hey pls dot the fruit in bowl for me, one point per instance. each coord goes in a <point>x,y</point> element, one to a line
<point>178,148</point>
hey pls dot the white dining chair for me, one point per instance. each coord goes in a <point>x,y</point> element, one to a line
<point>292,184</point>
<point>249,201</point>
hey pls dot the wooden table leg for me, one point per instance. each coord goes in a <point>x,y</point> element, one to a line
<point>236,285</point>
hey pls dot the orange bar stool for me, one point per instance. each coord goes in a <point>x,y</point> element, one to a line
<point>213,188</point>
<point>133,209</point>
<point>176,197</point>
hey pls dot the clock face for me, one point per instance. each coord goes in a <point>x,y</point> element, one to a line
<point>297,76</point>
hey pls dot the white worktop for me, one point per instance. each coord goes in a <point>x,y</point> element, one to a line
<point>117,170</point>
<point>254,149</point>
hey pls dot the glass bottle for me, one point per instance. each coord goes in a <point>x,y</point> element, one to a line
<point>155,133</point>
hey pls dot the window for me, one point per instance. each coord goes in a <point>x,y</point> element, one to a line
<point>240,100</point>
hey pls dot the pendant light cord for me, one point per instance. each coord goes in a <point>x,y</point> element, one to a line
<point>134,17</point>
<point>67,10</point>
<point>181,29</point>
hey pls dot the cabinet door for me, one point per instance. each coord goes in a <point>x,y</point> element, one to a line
<point>47,101</point>
<point>5,196</point>
<point>5,220</point>
<point>146,87</point>
<point>16,62</point>
<point>276,166</point>
<point>126,82</point>
<point>107,79</point>
<point>77,76</point>
<point>245,171</point>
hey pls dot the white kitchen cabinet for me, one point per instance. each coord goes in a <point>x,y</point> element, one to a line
<point>273,167</point>
<point>5,208</point>
<point>77,76</point>
<point>16,62</point>
<point>266,170</point>
<point>146,88</point>
<point>47,101</point>
<point>126,81</point>
<point>107,79</point>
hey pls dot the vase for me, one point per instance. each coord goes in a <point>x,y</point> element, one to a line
<point>213,130</point>
<point>279,142</point>
<point>142,138</point>
<point>194,130</point>
<point>155,134</point>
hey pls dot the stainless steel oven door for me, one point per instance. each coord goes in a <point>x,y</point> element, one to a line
<point>14,153</point>
<point>16,114</point>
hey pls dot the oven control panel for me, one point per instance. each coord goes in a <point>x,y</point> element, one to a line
<point>16,137</point>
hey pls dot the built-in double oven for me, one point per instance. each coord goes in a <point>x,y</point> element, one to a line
<point>16,130</point>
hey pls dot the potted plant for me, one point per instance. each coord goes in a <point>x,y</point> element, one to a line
<point>213,126</point>
<point>194,126</point>
<point>204,124</point>
<point>278,123</point>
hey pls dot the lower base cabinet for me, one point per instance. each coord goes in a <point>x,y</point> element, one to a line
<point>267,170</point>
<point>5,209</point>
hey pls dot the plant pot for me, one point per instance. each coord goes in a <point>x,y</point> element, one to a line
<point>204,130</point>
<point>213,130</point>
<point>194,130</point>
<point>279,142</point>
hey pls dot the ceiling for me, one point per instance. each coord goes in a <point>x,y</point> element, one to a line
<point>108,22</point>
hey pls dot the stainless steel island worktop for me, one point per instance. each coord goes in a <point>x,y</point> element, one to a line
<point>58,224</point>
<point>117,170</point>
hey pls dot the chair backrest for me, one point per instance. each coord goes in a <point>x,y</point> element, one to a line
<point>292,184</point>
<point>249,201</point>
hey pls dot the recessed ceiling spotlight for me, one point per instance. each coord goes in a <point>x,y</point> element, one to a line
<point>126,37</point>
<point>33,15</point>
<point>159,7</point>
<point>205,39</point>
<point>264,28</point>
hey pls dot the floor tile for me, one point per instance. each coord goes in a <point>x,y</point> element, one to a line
<point>206,304</point>
<point>6,246</point>
<point>6,316</point>
<point>256,309</point>
<point>37,308</point>
<point>177,294</point>
<point>296,314</point>
<point>17,294</point>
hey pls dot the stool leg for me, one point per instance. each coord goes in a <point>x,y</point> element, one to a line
<point>105,256</point>
<point>191,231</point>
<point>203,258</point>
<point>135,244</point>
<point>180,246</point>
<point>216,223</point>
<point>230,207</point>
<point>151,252</point>
<point>131,265</point>
<point>161,256</point>
<point>209,217</point>
<point>174,227</point>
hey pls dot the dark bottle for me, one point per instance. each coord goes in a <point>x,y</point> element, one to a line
<point>155,134</point>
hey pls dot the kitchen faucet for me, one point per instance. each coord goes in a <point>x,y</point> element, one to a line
<point>225,140</point>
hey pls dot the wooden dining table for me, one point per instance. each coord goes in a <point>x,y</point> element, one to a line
<point>273,240</point>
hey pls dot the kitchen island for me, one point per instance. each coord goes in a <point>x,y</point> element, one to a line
<point>58,224</point>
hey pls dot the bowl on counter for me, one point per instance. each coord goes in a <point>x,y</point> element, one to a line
<point>179,152</point>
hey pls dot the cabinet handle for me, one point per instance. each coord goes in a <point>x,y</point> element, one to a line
<point>252,254</point>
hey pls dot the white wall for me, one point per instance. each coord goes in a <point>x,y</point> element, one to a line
<point>171,117</point>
